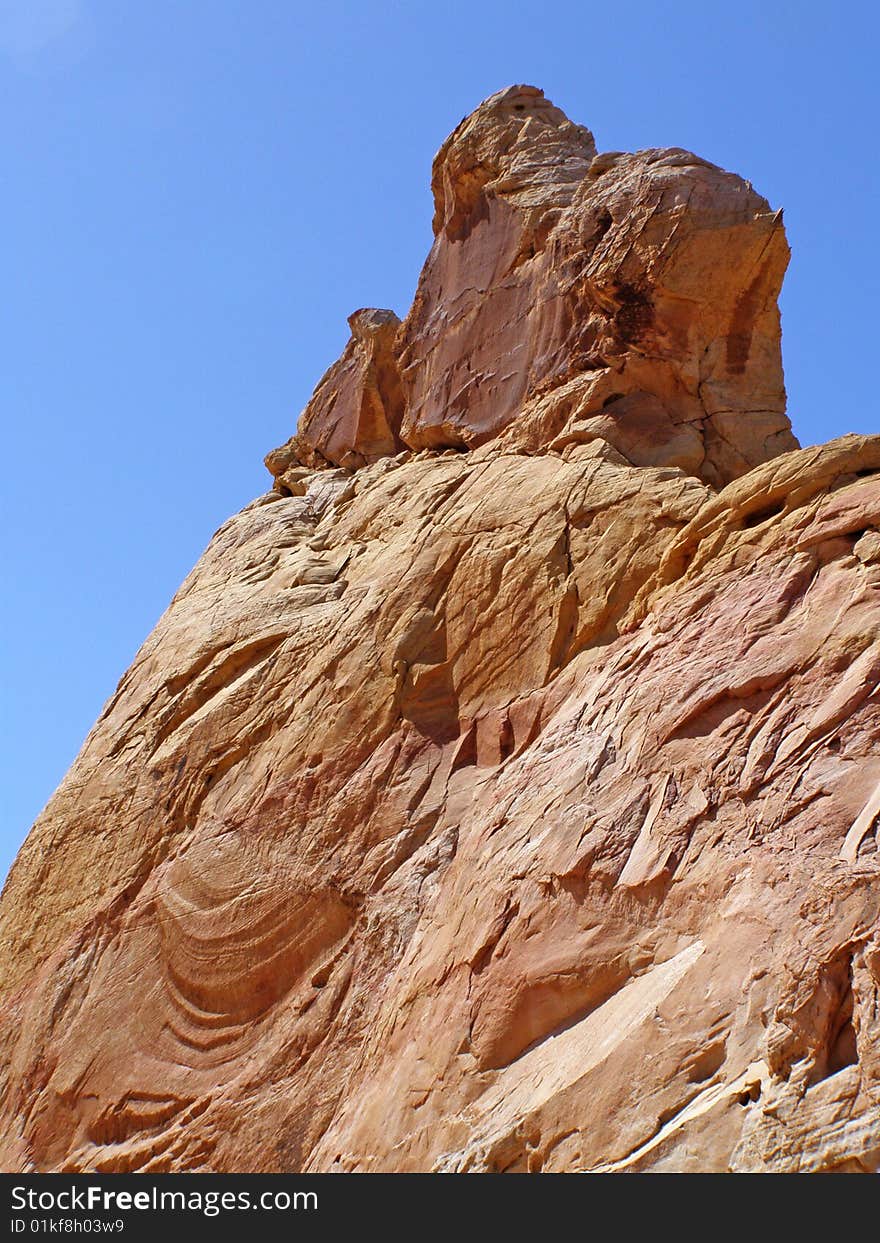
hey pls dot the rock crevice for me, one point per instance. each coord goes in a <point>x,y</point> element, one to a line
<point>499,792</point>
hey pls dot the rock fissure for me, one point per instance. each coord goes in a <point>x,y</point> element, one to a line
<point>506,780</point>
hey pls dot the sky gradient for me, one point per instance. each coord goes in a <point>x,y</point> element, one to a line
<point>197,195</point>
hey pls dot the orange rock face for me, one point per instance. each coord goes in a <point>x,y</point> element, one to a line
<point>501,791</point>
<point>570,297</point>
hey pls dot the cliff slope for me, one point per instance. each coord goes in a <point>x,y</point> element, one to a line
<point>499,792</point>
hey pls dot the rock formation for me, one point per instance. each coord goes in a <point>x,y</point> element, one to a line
<point>500,792</point>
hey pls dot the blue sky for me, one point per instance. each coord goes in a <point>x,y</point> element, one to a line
<point>198,192</point>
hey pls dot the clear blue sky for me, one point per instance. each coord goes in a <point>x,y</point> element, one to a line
<point>198,192</point>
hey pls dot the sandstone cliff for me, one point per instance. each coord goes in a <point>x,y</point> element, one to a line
<point>499,792</point>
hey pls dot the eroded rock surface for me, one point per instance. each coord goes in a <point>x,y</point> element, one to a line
<point>570,297</point>
<point>501,791</point>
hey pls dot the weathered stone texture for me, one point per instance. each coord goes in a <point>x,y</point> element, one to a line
<point>501,791</point>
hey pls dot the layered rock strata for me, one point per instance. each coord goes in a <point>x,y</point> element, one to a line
<point>499,792</point>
